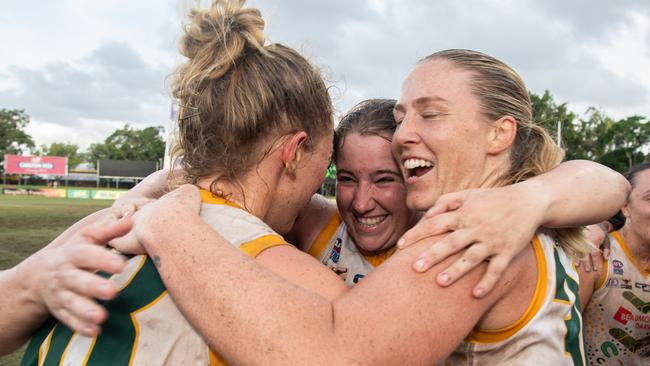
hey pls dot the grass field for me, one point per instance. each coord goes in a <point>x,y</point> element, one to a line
<point>27,223</point>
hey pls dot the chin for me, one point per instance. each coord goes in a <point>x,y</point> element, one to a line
<point>419,203</point>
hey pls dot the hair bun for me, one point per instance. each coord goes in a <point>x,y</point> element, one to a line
<point>219,35</point>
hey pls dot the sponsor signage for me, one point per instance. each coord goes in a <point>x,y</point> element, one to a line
<point>107,195</point>
<point>50,165</point>
<point>44,192</point>
<point>78,193</point>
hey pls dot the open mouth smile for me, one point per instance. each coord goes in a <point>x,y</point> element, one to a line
<point>370,222</point>
<point>416,168</point>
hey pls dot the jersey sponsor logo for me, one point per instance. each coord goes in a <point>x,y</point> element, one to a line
<point>335,256</point>
<point>643,286</point>
<point>357,278</point>
<point>623,283</point>
<point>618,266</point>
<point>623,315</point>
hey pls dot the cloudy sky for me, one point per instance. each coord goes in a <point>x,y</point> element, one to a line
<point>82,68</point>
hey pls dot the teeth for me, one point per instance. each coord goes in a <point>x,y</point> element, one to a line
<point>417,163</point>
<point>371,221</point>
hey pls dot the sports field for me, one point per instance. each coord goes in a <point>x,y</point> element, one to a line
<point>27,223</point>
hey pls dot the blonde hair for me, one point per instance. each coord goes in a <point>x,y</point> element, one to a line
<point>502,92</point>
<point>237,92</point>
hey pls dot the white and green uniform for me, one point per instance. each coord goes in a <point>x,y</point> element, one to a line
<point>144,326</point>
<point>550,330</point>
<point>617,319</point>
<point>335,248</point>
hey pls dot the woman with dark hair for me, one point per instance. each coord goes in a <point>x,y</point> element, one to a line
<point>616,297</point>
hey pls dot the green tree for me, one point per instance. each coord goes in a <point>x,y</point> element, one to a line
<point>128,143</point>
<point>595,136</point>
<point>71,151</point>
<point>13,138</point>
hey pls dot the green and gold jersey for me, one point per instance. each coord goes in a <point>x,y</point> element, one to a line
<point>617,319</point>
<point>550,330</point>
<point>335,248</point>
<point>144,326</point>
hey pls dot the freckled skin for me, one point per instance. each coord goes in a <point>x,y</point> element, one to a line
<point>371,187</point>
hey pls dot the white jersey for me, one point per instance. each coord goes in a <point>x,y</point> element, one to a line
<point>335,248</point>
<point>548,333</point>
<point>617,319</point>
<point>144,326</point>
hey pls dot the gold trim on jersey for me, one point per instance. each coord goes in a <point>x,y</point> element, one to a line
<point>256,246</point>
<point>90,350</point>
<point>134,273</point>
<point>216,360</point>
<point>43,353</point>
<point>65,351</point>
<point>498,335</point>
<point>378,259</point>
<point>136,326</point>
<point>211,198</point>
<point>619,238</point>
<point>325,235</point>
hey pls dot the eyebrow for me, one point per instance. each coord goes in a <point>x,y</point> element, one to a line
<point>375,173</point>
<point>420,101</point>
<point>386,171</point>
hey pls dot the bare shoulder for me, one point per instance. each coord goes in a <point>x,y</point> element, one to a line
<point>311,220</point>
<point>303,270</point>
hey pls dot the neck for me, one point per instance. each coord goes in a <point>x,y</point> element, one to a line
<point>494,172</point>
<point>638,246</point>
<point>250,192</point>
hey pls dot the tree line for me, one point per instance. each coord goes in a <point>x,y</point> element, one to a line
<point>126,143</point>
<point>617,143</point>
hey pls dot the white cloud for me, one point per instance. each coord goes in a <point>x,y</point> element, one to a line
<point>73,61</point>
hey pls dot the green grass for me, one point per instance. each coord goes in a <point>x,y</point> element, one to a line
<point>27,223</point>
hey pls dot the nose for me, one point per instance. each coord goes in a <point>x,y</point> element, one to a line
<point>363,200</point>
<point>406,133</point>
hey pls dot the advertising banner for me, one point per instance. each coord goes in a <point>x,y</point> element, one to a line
<point>78,193</point>
<point>107,195</point>
<point>51,165</point>
<point>43,192</point>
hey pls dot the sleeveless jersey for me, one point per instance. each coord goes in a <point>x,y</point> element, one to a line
<point>550,330</point>
<point>144,326</point>
<point>617,319</point>
<point>335,248</point>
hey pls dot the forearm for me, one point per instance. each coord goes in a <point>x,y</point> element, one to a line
<point>229,298</point>
<point>21,313</point>
<point>252,316</point>
<point>579,192</point>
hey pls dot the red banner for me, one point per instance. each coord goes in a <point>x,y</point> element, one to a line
<point>51,165</point>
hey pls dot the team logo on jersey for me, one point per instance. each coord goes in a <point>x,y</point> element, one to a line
<point>623,315</point>
<point>618,266</point>
<point>335,256</point>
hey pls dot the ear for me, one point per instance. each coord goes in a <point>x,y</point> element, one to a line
<point>626,210</point>
<point>291,150</point>
<point>502,135</point>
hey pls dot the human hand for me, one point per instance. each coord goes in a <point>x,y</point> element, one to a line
<point>62,277</point>
<point>495,223</point>
<point>127,205</point>
<point>597,234</point>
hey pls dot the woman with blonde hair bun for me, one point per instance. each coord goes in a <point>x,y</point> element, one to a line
<point>255,133</point>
